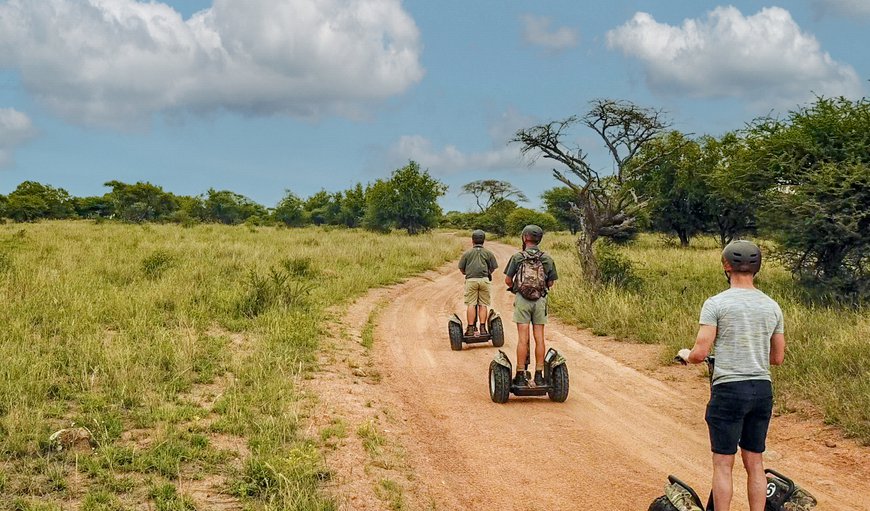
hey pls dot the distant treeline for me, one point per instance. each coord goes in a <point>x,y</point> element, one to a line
<point>408,200</point>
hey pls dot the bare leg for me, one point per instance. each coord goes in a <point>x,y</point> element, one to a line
<point>522,345</point>
<point>482,314</point>
<point>539,346</point>
<point>469,314</point>
<point>722,485</point>
<point>756,481</point>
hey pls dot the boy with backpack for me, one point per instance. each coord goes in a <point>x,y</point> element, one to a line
<point>530,274</point>
<point>477,264</point>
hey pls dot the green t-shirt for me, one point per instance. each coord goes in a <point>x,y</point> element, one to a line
<point>514,265</point>
<point>478,263</point>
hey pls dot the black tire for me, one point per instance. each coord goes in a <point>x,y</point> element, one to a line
<point>661,504</point>
<point>455,332</point>
<point>499,382</point>
<point>559,379</point>
<point>496,330</point>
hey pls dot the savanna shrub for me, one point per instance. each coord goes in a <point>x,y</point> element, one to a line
<point>154,265</point>
<point>615,268</point>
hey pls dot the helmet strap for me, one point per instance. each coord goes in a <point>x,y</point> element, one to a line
<point>727,275</point>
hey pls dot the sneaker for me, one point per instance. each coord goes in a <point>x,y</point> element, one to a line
<point>482,329</point>
<point>520,380</point>
<point>539,379</point>
<point>469,332</point>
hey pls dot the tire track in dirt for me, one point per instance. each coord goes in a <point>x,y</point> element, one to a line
<point>627,423</point>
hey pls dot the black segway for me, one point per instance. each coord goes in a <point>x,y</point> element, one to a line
<point>494,327</point>
<point>555,378</point>
<point>782,495</point>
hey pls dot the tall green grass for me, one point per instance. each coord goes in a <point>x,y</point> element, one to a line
<point>110,327</point>
<point>828,357</point>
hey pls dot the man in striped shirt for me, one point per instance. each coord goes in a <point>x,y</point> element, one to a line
<point>746,328</point>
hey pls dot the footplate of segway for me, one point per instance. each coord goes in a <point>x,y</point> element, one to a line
<point>529,391</point>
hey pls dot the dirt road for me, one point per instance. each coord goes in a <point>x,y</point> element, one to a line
<point>626,425</point>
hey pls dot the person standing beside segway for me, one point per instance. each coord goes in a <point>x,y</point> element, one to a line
<point>477,264</point>
<point>746,328</point>
<point>530,274</point>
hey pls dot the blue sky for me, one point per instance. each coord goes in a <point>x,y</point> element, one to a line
<point>259,96</point>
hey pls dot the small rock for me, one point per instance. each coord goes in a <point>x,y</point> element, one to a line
<point>359,372</point>
<point>75,439</point>
<point>830,444</point>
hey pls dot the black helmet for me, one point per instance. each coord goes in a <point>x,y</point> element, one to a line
<point>478,237</point>
<point>534,233</point>
<point>744,256</point>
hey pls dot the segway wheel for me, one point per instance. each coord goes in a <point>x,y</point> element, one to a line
<point>496,329</point>
<point>559,388</point>
<point>499,382</point>
<point>455,332</point>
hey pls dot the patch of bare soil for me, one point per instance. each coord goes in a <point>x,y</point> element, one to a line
<point>627,424</point>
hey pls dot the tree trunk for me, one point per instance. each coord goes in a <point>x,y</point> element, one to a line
<point>684,237</point>
<point>588,263</point>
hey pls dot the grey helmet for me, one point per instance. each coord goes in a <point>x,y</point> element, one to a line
<point>478,237</point>
<point>744,256</point>
<point>534,233</point>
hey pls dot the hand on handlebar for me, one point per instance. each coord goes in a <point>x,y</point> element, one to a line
<point>683,356</point>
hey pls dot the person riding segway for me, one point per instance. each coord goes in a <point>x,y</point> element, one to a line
<point>746,328</point>
<point>530,274</point>
<point>484,324</point>
<point>477,264</point>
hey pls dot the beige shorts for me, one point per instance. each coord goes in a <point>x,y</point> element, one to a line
<point>530,311</point>
<point>477,291</point>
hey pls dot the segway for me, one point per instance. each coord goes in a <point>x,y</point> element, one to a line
<point>495,331</point>
<point>555,378</point>
<point>782,495</point>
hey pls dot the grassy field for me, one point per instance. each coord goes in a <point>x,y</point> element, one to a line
<point>180,350</point>
<point>828,358</point>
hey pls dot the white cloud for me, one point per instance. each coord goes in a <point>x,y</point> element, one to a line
<point>16,128</point>
<point>116,62</point>
<point>537,32</point>
<point>449,159</point>
<point>846,8</point>
<point>764,58</point>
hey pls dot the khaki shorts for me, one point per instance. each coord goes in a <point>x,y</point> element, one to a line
<point>530,311</point>
<point>477,291</point>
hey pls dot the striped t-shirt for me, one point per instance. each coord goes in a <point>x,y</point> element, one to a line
<point>745,319</point>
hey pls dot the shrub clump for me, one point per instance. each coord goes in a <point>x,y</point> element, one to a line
<point>616,269</point>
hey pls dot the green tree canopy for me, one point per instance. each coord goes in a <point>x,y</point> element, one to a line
<point>31,201</point>
<point>408,200</point>
<point>290,211</point>
<point>141,202</point>
<point>676,186</point>
<point>521,217</point>
<point>228,207</point>
<point>820,212</point>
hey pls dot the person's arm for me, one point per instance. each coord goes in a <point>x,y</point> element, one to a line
<point>703,345</point>
<point>550,284</point>
<point>508,281</point>
<point>462,263</point>
<point>777,349</point>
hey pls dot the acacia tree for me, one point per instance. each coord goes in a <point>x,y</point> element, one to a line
<point>606,205</point>
<point>491,192</point>
<point>676,186</point>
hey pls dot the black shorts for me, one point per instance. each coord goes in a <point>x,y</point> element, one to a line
<point>738,414</point>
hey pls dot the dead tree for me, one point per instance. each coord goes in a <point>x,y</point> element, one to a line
<point>605,204</point>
